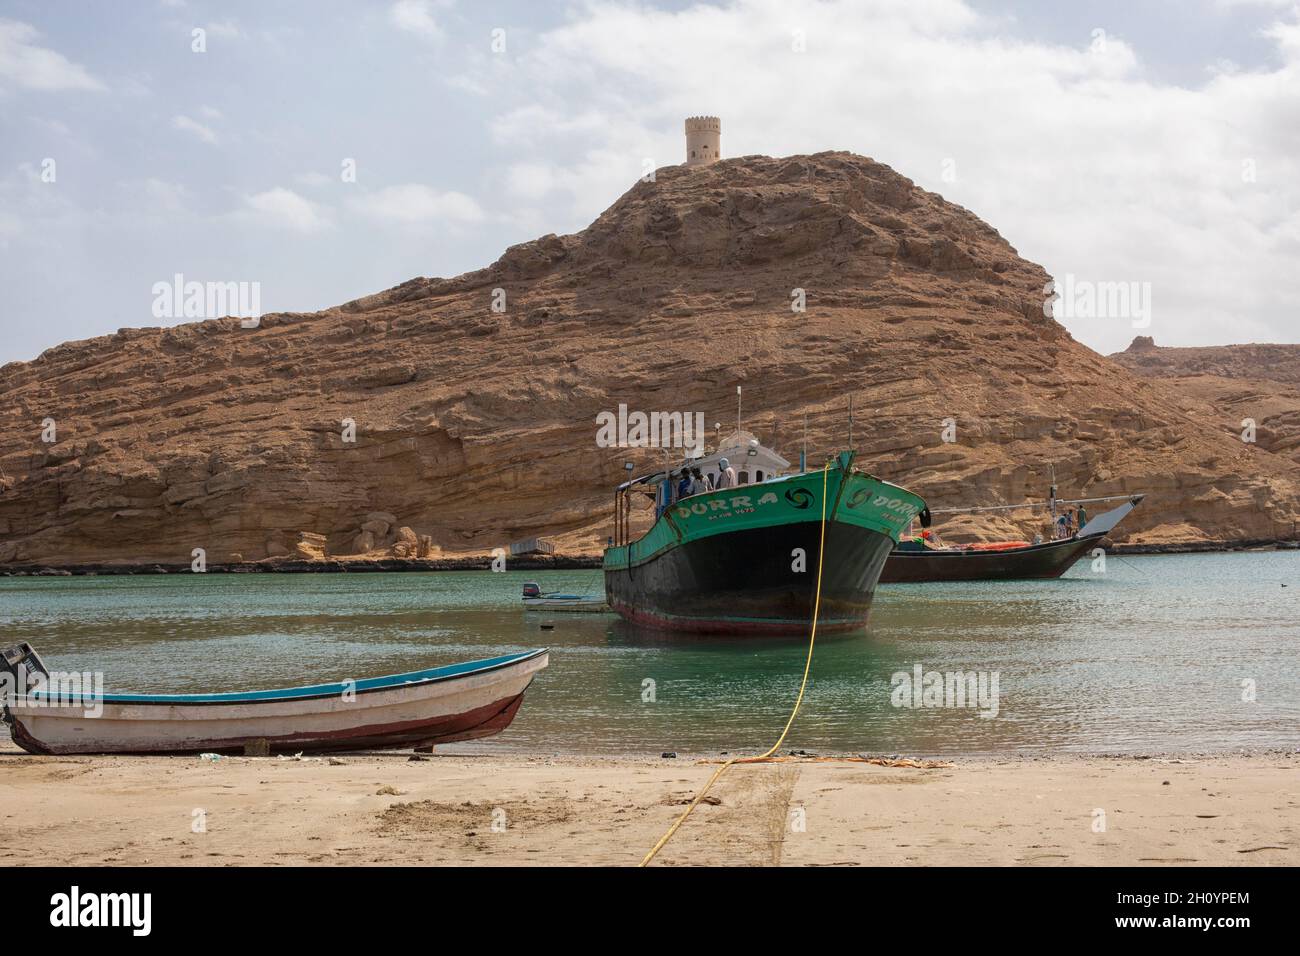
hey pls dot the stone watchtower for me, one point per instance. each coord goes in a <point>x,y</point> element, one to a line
<point>703,140</point>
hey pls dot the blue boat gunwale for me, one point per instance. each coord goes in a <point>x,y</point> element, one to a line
<point>366,685</point>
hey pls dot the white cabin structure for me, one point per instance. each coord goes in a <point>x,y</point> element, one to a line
<point>753,462</point>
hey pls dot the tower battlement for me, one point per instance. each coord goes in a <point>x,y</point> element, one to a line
<point>703,140</point>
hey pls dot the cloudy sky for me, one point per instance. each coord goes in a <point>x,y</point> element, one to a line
<point>1152,142</point>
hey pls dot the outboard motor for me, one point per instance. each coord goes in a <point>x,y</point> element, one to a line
<point>17,662</point>
<point>532,589</point>
<point>21,657</point>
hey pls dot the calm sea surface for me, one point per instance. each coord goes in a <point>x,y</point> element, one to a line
<point>1154,654</point>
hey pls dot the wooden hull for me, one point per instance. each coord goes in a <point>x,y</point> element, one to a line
<point>1048,560</point>
<point>718,585</point>
<point>463,702</point>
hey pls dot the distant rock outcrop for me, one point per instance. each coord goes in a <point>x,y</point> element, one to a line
<point>475,427</point>
<point>1250,391</point>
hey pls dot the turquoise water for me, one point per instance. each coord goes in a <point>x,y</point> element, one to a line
<point>1149,656</point>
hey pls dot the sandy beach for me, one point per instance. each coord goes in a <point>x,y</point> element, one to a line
<point>490,809</point>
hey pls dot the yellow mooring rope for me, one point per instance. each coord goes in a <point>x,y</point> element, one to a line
<point>812,640</point>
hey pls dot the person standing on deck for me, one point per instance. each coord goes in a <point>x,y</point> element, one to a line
<point>1083,517</point>
<point>698,484</point>
<point>684,486</point>
<point>726,475</point>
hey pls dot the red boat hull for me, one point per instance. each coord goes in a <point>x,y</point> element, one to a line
<point>481,722</point>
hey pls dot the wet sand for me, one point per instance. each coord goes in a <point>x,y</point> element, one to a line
<point>490,809</point>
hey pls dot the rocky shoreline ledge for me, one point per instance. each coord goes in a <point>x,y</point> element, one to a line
<point>1208,547</point>
<point>577,562</point>
<point>326,566</point>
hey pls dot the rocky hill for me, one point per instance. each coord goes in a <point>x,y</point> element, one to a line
<point>475,427</point>
<point>1230,386</point>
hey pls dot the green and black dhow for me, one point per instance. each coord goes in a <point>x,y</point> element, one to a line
<point>744,560</point>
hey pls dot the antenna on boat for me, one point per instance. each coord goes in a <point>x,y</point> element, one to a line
<point>850,421</point>
<point>737,409</point>
<point>1052,499</point>
<point>803,452</point>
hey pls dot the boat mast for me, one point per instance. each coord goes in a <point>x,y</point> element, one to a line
<point>737,409</point>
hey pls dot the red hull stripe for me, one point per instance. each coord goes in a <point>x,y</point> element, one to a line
<point>739,627</point>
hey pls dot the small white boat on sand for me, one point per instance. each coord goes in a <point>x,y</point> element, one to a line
<point>417,709</point>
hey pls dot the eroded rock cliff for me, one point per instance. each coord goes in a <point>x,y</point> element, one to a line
<point>474,428</point>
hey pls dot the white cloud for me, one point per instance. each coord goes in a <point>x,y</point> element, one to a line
<point>37,210</point>
<point>1083,160</point>
<point>195,127</point>
<point>36,67</point>
<point>161,196</point>
<point>10,226</point>
<point>225,29</point>
<point>1275,4</point>
<point>531,180</point>
<point>415,16</point>
<point>314,179</point>
<point>284,209</point>
<point>1287,36</point>
<point>414,203</point>
<point>58,127</point>
<point>467,84</point>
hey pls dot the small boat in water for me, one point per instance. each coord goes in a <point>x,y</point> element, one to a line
<point>915,560</point>
<point>418,709</point>
<point>744,560</point>
<point>535,599</point>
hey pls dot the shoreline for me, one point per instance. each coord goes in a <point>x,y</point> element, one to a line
<point>486,808</point>
<point>580,562</point>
